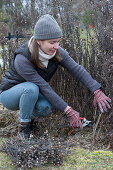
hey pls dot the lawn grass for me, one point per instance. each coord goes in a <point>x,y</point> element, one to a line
<point>82,159</point>
<point>79,159</point>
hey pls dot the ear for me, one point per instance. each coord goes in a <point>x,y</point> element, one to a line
<point>38,41</point>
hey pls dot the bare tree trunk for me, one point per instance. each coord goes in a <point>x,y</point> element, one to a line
<point>33,10</point>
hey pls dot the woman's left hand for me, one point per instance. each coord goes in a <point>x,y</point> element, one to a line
<point>102,100</point>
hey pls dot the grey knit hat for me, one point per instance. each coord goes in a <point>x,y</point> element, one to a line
<point>47,28</point>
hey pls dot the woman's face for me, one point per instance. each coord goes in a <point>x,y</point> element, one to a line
<point>49,46</point>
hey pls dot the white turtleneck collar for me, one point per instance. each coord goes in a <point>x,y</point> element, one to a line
<point>44,58</point>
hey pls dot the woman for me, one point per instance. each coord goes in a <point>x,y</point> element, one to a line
<point>25,86</point>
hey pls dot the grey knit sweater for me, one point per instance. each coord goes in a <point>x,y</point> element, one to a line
<point>25,68</point>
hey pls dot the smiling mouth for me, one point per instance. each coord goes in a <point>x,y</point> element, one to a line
<point>53,51</point>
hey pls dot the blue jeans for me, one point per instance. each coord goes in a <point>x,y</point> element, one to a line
<point>26,98</point>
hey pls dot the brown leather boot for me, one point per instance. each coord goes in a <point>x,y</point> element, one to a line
<point>24,130</point>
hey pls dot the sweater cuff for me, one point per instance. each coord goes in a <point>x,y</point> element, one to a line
<point>68,107</point>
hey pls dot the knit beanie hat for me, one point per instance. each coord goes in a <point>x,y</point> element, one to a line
<point>47,28</point>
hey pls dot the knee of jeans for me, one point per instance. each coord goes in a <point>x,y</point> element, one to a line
<point>32,89</point>
<point>44,109</point>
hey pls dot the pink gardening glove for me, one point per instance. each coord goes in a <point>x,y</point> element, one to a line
<point>74,117</point>
<point>102,100</point>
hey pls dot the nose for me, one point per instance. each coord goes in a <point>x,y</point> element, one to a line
<point>56,46</point>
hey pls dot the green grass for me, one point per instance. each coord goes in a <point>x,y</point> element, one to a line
<point>5,162</point>
<point>82,159</point>
<point>79,159</point>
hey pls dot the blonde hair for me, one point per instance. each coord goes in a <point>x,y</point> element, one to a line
<point>34,51</point>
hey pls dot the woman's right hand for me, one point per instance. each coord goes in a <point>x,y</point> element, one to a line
<point>74,118</point>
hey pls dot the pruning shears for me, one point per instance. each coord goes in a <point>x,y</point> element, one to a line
<point>86,122</point>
